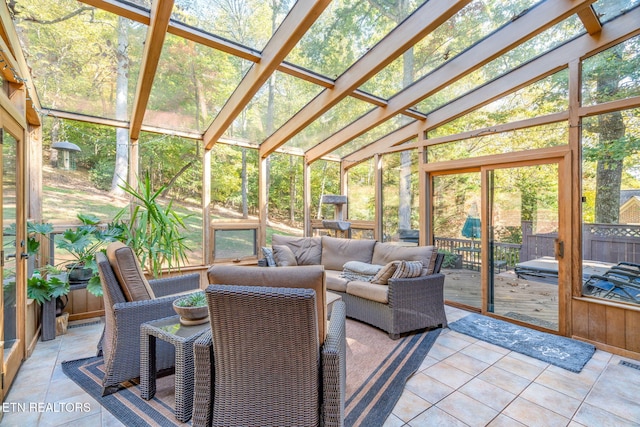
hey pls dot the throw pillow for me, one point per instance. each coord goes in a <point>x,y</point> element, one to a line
<point>408,269</point>
<point>362,267</point>
<point>284,256</point>
<point>385,273</point>
<point>268,255</point>
<point>357,270</point>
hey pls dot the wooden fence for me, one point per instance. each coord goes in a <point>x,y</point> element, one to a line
<point>600,242</point>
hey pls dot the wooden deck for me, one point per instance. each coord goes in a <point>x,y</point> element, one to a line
<point>527,300</point>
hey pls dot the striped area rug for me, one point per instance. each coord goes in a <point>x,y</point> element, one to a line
<point>377,370</point>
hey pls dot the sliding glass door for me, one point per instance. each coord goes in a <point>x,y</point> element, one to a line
<point>523,228</point>
<point>500,226</point>
<point>456,231</point>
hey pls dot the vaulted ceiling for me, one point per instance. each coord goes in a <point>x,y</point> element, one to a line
<point>344,79</point>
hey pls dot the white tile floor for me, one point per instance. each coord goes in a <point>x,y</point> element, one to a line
<point>462,382</point>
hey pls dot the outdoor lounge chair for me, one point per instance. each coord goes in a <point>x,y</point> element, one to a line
<point>621,281</point>
<point>129,301</point>
<point>264,362</point>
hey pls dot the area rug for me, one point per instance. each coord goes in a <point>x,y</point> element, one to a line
<point>377,370</point>
<point>564,352</point>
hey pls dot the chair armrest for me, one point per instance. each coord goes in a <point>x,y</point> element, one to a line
<point>334,369</point>
<point>175,284</point>
<point>138,312</point>
<point>416,291</point>
<point>203,383</point>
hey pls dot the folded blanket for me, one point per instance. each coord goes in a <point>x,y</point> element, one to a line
<point>358,270</point>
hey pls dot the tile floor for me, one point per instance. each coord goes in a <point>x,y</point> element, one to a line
<point>462,382</point>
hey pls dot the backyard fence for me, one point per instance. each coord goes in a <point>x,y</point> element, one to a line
<point>611,243</point>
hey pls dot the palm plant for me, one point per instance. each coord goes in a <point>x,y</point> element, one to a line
<point>153,231</point>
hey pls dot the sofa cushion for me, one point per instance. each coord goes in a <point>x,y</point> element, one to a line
<point>309,276</point>
<point>385,273</point>
<point>284,256</point>
<point>126,267</point>
<point>336,251</point>
<point>408,269</point>
<point>368,291</point>
<point>384,253</point>
<point>307,250</point>
<point>335,282</point>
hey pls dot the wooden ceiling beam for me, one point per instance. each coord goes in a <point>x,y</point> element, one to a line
<point>22,69</point>
<point>621,28</point>
<point>413,29</point>
<point>521,29</point>
<point>295,25</point>
<point>160,16</point>
<point>122,9</point>
<point>590,20</point>
<point>397,137</point>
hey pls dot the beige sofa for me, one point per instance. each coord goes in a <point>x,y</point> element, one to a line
<point>401,305</point>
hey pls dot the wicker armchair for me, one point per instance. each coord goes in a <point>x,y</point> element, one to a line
<point>120,343</point>
<point>262,363</point>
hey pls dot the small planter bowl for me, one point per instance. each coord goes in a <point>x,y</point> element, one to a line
<point>191,315</point>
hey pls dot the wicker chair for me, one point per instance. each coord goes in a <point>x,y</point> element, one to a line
<point>262,364</point>
<point>120,342</point>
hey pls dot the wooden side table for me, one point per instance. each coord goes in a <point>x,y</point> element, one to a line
<point>182,338</point>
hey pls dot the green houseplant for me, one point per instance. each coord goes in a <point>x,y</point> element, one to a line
<point>153,231</point>
<point>48,292</point>
<point>192,308</point>
<point>43,289</point>
<point>82,243</point>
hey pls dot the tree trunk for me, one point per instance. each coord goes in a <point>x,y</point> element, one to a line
<point>322,184</point>
<point>610,128</point>
<point>292,190</point>
<point>404,207</point>
<point>122,135</point>
<point>245,206</point>
<point>55,137</point>
<point>609,171</point>
<point>201,102</point>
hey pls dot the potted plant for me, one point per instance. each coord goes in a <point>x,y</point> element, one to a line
<point>192,309</point>
<point>153,231</point>
<point>82,243</point>
<point>48,292</point>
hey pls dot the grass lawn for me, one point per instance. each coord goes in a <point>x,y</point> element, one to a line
<point>69,193</point>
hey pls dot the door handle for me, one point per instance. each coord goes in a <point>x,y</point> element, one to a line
<point>559,248</point>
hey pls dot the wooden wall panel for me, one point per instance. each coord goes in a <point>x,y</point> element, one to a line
<point>580,319</point>
<point>598,323</point>
<point>83,305</point>
<point>632,331</point>
<point>610,326</point>
<point>615,323</point>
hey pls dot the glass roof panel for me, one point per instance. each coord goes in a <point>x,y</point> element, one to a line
<point>374,134</point>
<point>544,42</point>
<point>79,72</point>
<point>547,96</point>
<point>345,31</point>
<point>343,113</point>
<point>549,135</point>
<point>474,22</point>
<point>609,9</point>
<point>247,22</point>
<point>191,85</point>
<point>612,74</point>
<point>276,101</point>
